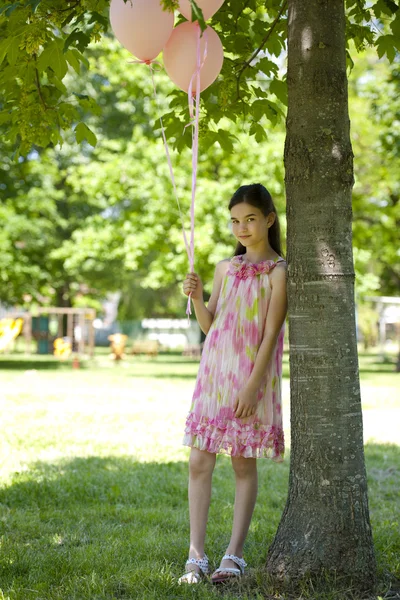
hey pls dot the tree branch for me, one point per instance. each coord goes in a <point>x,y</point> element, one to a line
<point>39,89</point>
<point>261,46</point>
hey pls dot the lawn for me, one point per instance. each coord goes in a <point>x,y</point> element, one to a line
<point>93,499</point>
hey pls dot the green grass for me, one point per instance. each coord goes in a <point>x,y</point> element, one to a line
<point>93,496</point>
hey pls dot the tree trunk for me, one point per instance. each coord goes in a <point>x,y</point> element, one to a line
<point>325,525</point>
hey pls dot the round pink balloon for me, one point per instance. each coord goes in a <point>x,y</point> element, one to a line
<point>209,8</point>
<point>180,56</point>
<point>142,26</point>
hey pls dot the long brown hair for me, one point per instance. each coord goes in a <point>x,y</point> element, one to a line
<point>257,195</point>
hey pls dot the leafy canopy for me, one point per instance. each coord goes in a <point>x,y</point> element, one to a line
<point>43,41</point>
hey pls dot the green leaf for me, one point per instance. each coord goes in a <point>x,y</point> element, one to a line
<point>387,44</point>
<point>208,140</point>
<point>177,101</point>
<point>78,19</point>
<point>53,57</point>
<point>5,116</point>
<point>174,129</point>
<point>29,76</point>
<point>98,18</point>
<point>392,6</point>
<point>395,26</point>
<point>279,88</point>
<point>8,9</point>
<point>261,108</point>
<point>267,66</point>
<point>225,140</point>
<point>33,4</point>
<point>197,15</point>
<point>58,84</point>
<point>67,20</point>
<point>13,51</point>
<point>275,45</point>
<point>88,103</point>
<point>82,132</point>
<point>4,47</point>
<point>73,61</point>
<point>77,37</point>
<point>56,138</point>
<point>349,61</point>
<point>258,131</point>
<point>79,56</point>
<point>258,92</point>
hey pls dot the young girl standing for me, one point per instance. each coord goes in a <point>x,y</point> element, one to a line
<point>236,407</point>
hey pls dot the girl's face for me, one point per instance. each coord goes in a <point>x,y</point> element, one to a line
<point>249,225</point>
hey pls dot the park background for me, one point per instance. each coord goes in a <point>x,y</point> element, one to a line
<point>93,496</point>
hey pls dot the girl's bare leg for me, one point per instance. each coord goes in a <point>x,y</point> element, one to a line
<point>201,467</point>
<point>245,500</point>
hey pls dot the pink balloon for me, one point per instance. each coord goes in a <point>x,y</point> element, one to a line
<point>209,8</point>
<point>180,56</point>
<point>142,26</point>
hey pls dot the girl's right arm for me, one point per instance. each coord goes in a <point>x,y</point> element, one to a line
<point>193,284</point>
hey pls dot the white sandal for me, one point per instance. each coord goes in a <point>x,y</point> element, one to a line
<point>194,576</point>
<point>233,572</point>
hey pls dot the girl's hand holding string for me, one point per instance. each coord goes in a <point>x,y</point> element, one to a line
<point>246,403</point>
<point>193,285</point>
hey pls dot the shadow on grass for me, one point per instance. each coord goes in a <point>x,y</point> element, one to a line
<point>370,365</point>
<point>112,527</point>
<point>26,364</point>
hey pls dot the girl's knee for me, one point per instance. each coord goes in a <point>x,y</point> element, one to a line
<point>244,467</point>
<point>201,463</point>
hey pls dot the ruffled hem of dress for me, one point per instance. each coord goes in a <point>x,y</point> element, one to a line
<point>235,438</point>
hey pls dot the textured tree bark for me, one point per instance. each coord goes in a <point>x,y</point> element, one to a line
<point>325,526</point>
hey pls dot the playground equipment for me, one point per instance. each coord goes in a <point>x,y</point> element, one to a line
<point>118,343</point>
<point>148,347</point>
<point>62,348</point>
<point>9,331</point>
<point>45,325</point>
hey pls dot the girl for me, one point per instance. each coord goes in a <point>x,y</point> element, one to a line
<point>236,407</point>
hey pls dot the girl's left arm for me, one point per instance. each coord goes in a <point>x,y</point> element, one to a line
<point>247,400</point>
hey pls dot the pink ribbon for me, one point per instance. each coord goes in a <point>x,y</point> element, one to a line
<point>171,172</point>
<point>194,112</point>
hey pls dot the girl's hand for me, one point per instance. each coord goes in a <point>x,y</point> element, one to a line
<point>193,285</point>
<point>246,403</point>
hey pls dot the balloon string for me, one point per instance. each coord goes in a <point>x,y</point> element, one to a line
<point>194,112</point>
<point>199,65</point>
<point>145,62</point>
<point>194,115</point>
<point>171,172</point>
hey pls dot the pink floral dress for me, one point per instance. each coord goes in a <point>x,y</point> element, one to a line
<point>227,360</point>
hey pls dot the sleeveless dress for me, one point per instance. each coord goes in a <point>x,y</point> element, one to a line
<point>227,360</point>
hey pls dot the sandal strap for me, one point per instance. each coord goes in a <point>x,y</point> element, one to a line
<point>202,563</point>
<point>190,577</point>
<point>228,570</point>
<point>240,562</point>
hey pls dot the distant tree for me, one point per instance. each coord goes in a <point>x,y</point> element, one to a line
<point>376,133</point>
